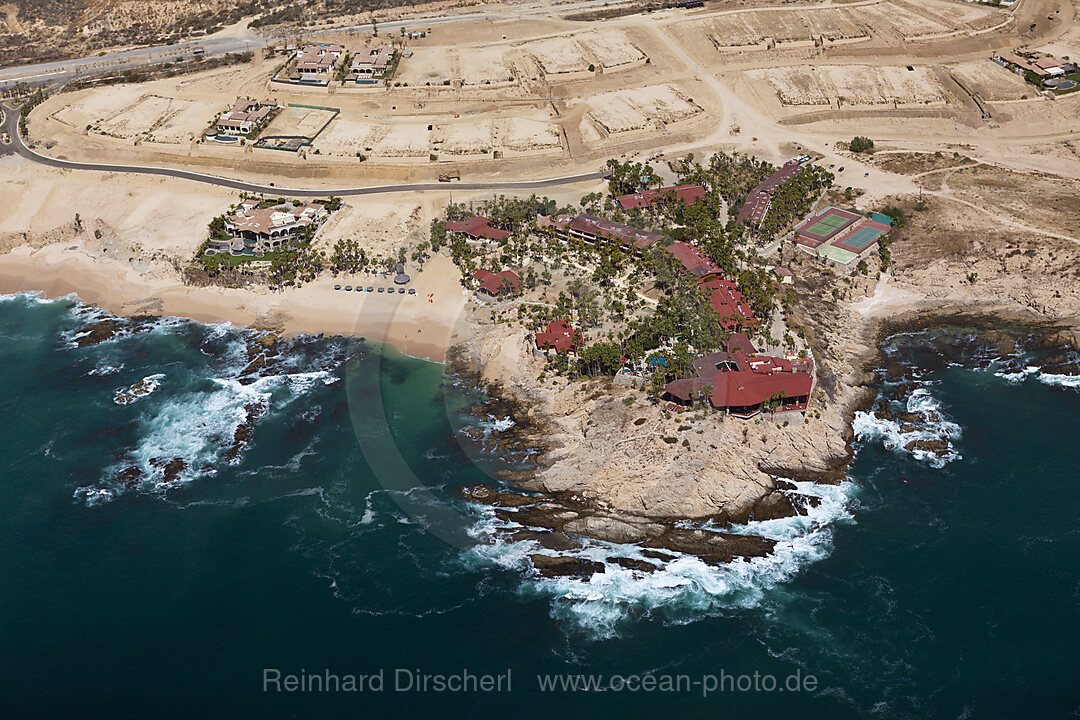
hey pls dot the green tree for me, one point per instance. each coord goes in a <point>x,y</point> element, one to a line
<point>861,144</point>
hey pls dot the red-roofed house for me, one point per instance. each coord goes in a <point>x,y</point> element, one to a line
<point>477,228</point>
<point>689,194</point>
<point>727,301</point>
<point>693,260</point>
<point>559,336</point>
<point>495,284</point>
<point>759,200</point>
<point>744,383</point>
<point>596,229</point>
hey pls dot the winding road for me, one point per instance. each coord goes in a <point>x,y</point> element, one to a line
<point>11,126</point>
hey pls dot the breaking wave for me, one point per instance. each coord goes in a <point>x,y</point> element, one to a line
<point>1033,371</point>
<point>921,428</point>
<point>681,590</point>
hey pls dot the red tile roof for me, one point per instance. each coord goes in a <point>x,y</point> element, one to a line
<point>693,260</point>
<point>559,335</point>
<point>725,298</point>
<point>741,389</point>
<point>477,227</point>
<point>497,283</point>
<point>626,235</point>
<point>757,202</point>
<point>689,194</point>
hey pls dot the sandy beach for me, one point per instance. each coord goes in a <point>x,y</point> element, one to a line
<point>410,323</point>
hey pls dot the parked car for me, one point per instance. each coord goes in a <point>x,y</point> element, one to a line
<point>348,288</point>
<point>866,174</point>
<point>337,287</point>
<point>412,291</point>
<point>841,169</point>
<point>382,289</point>
<point>371,289</point>
<point>832,165</point>
<point>401,291</point>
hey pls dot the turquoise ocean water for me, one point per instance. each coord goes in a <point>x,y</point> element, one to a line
<point>155,561</point>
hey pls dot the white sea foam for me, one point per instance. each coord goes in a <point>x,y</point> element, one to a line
<point>1015,378</point>
<point>146,386</point>
<point>105,368</point>
<point>1033,371</point>
<point>1069,381</point>
<point>197,427</point>
<point>932,426</point>
<point>680,590</point>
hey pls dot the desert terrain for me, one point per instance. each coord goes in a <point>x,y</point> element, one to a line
<point>546,96</point>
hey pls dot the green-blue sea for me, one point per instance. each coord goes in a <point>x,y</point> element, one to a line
<point>183,549</point>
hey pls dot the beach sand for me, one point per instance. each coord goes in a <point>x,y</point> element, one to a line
<point>410,323</point>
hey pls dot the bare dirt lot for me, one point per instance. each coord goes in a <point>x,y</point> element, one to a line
<point>846,85</point>
<point>993,82</point>
<point>635,109</point>
<point>299,121</point>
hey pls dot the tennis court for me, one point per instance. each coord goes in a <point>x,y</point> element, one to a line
<point>826,224</point>
<point>859,240</point>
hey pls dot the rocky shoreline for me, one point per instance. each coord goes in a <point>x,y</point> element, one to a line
<point>559,515</point>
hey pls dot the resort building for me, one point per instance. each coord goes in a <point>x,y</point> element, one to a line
<point>559,336</point>
<point>371,64</point>
<point>724,295</point>
<point>759,200</point>
<point>726,299</point>
<point>593,229</point>
<point>477,228</point>
<point>256,230</point>
<point>693,260</point>
<point>315,64</point>
<point>244,116</point>
<point>497,284</point>
<point>689,194</point>
<point>742,383</point>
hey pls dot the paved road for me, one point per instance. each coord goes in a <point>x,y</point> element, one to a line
<point>64,71</point>
<point>11,125</point>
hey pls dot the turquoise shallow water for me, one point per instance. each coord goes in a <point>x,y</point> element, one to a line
<point>926,587</point>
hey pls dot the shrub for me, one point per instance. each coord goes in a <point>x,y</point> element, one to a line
<point>860,144</point>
